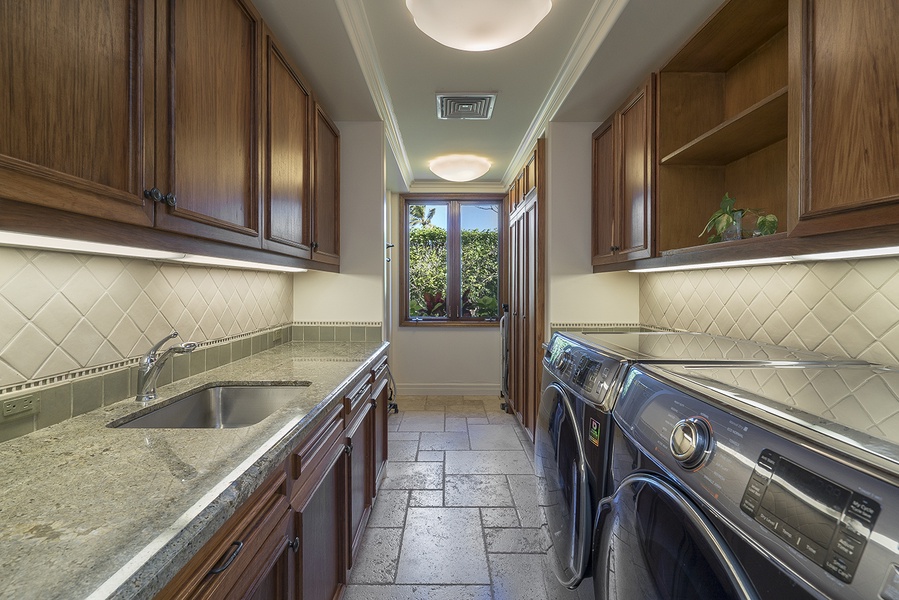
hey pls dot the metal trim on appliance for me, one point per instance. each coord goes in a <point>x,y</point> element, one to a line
<point>572,573</point>
<point>735,574</point>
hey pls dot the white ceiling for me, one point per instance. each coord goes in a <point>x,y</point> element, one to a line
<point>367,61</point>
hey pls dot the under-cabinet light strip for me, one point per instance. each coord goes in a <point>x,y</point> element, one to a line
<point>781,260</point>
<point>42,242</point>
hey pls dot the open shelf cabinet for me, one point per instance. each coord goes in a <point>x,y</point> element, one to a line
<point>723,121</point>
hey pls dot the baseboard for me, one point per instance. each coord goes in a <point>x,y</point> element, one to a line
<point>447,389</point>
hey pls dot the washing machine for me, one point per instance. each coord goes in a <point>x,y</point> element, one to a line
<point>751,481</point>
<point>582,374</point>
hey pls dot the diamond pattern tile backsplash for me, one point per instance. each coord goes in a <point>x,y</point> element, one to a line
<point>842,308</point>
<point>61,312</point>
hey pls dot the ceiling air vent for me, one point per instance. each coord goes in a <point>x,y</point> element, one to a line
<point>465,106</point>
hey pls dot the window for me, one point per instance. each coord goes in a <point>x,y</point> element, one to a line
<point>452,257</point>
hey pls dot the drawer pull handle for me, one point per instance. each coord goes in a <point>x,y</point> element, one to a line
<point>229,560</point>
<point>294,545</point>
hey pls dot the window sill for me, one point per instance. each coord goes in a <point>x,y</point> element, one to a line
<point>435,323</point>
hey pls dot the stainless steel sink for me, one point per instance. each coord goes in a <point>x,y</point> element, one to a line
<point>219,407</point>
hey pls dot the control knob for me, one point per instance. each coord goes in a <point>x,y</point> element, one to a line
<point>691,442</point>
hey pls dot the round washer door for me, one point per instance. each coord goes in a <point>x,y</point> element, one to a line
<point>562,485</point>
<point>653,543</point>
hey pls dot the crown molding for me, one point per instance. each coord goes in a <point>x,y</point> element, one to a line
<point>355,22</point>
<point>599,22</point>
<point>449,187</point>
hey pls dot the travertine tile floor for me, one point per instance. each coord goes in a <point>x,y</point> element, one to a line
<point>457,515</point>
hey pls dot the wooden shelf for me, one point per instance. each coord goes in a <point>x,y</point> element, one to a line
<point>730,35</point>
<point>769,246</point>
<point>755,128</point>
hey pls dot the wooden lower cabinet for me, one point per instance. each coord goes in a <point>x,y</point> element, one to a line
<point>251,556</point>
<point>380,401</point>
<point>321,525</point>
<point>295,538</point>
<point>360,478</point>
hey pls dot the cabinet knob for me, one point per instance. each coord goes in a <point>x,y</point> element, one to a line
<point>153,194</point>
<point>348,449</point>
<point>294,544</point>
<point>170,199</point>
<point>374,403</point>
<point>315,245</point>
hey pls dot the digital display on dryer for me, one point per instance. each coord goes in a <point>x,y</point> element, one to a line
<point>823,520</point>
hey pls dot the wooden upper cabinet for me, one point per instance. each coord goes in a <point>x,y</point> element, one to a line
<point>604,184</point>
<point>208,107</point>
<point>326,194</point>
<point>635,121</point>
<point>76,106</point>
<point>286,171</point>
<point>623,175</point>
<point>845,83</point>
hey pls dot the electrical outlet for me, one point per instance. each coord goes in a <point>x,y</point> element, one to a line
<point>20,406</point>
<point>276,337</point>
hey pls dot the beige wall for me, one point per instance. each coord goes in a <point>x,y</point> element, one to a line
<point>574,293</point>
<point>62,312</point>
<point>842,308</point>
<point>356,293</point>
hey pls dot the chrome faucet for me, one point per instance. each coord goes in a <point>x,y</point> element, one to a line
<point>150,365</point>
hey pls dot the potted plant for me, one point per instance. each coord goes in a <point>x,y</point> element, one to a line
<point>726,223</point>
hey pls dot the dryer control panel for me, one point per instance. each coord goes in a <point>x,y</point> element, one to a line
<point>819,515</point>
<point>825,521</point>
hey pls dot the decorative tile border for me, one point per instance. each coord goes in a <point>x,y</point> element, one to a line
<point>592,327</point>
<point>71,394</point>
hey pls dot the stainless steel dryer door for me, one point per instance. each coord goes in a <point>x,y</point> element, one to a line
<point>562,485</point>
<point>653,543</point>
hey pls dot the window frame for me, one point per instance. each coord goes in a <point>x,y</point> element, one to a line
<point>453,203</point>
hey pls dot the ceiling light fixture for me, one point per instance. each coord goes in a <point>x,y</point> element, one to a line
<point>478,25</point>
<point>459,167</point>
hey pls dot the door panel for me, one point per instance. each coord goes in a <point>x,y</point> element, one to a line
<point>76,106</point>
<point>207,155</point>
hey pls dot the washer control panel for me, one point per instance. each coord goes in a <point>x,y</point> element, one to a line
<point>590,374</point>
<point>826,522</point>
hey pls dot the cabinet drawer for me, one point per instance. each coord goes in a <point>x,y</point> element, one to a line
<point>380,369</point>
<point>221,569</point>
<point>354,401</point>
<point>312,451</point>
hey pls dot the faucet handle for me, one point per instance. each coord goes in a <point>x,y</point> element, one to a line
<point>152,351</point>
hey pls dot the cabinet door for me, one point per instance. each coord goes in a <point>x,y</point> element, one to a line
<point>604,203</point>
<point>76,106</point>
<point>849,160</point>
<point>271,574</point>
<point>360,488</point>
<point>380,399</point>
<point>321,522</point>
<point>326,195</point>
<point>635,175</point>
<point>288,103</point>
<point>208,101</point>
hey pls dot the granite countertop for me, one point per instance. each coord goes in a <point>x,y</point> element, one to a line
<point>88,511</point>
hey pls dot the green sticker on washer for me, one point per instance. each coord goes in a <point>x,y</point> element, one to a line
<point>594,432</point>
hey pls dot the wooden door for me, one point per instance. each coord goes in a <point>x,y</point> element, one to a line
<point>360,480</point>
<point>76,106</point>
<point>635,170</point>
<point>271,574</point>
<point>380,400</point>
<point>604,198</point>
<point>845,110</point>
<point>321,525</point>
<point>326,194</point>
<point>516,338</point>
<point>286,175</point>
<point>208,109</point>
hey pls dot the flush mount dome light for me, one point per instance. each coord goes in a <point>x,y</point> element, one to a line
<point>477,25</point>
<point>459,167</point>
